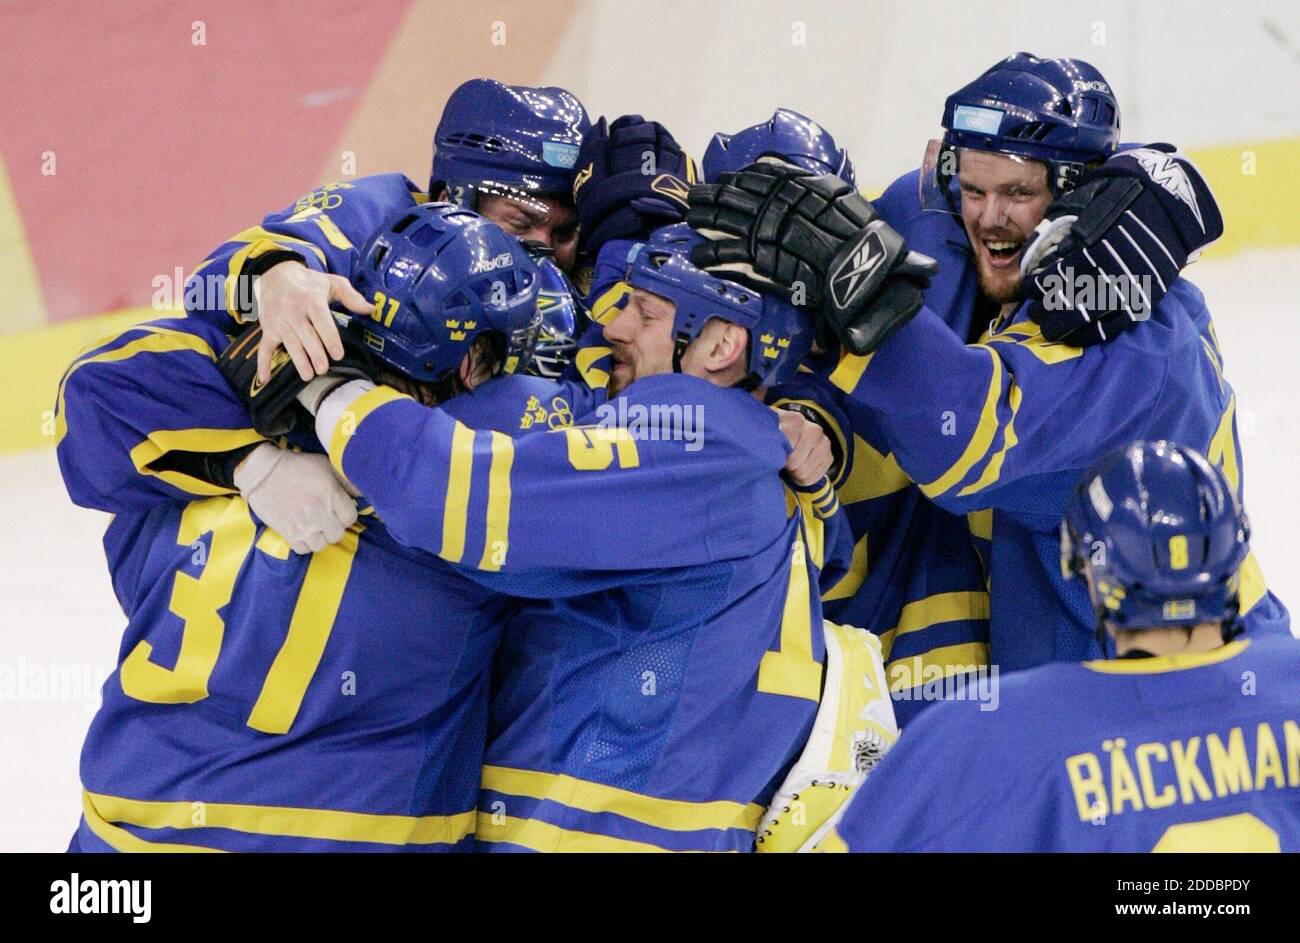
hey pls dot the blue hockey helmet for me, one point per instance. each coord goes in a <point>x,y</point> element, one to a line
<point>563,316</point>
<point>440,276</point>
<point>788,135</point>
<point>780,335</point>
<point>1061,112</point>
<point>1163,532</point>
<point>507,139</point>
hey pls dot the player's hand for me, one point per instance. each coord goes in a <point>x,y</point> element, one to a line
<point>1108,250</point>
<point>631,178</point>
<point>297,495</point>
<point>816,240</point>
<point>810,455</point>
<point>293,307</point>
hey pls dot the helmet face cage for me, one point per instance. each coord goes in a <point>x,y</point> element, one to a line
<point>439,277</point>
<point>1163,534</point>
<point>779,334</point>
<point>1060,112</point>
<point>507,140</point>
<point>563,319</point>
<point>787,135</point>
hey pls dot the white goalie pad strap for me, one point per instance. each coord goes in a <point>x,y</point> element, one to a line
<point>853,729</point>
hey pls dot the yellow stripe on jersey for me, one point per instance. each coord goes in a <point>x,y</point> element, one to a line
<point>158,340</point>
<point>605,308</point>
<point>496,536</point>
<point>455,509</point>
<point>852,581</point>
<point>935,610</point>
<point>848,372</point>
<point>332,232</point>
<point>310,626</point>
<point>873,475</point>
<point>584,359</point>
<point>1223,447</point>
<point>677,815</point>
<point>543,836</point>
<point>357,410</point>
<point>912,672</point>
<point>280,821</point>
<point>994,467</point>
<point>981,523</point>
<point>162,441</point>
<point>1166,663</point>
<point>122,840</point>
<point>792,671</point>
<point>980,441</point>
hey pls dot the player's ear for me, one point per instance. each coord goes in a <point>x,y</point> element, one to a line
<point>729,347</point>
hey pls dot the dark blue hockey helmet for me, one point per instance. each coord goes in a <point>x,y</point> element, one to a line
<point>1061,112</point>
<point>441,276</point>
<point>507,139</point>
<point>788,135</point>
<point>563,316</point>
<point>780,335</point>
<point>1165,537</point>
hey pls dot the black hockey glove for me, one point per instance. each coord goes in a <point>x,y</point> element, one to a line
<point>1108,250</point>
<point>274,406</point>
<point>818,242</point>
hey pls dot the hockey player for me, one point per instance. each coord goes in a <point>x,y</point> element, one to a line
<point>266,700</point>
<point>1187,740</point>
<point>505,151</point>
<point>656,703</point>
<point>1001,427</point>
<point>914,578</point>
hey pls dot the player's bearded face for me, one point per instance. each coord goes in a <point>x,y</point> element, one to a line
<point>641,337</point>
<point>1002,199</point>
<point>542,219</point>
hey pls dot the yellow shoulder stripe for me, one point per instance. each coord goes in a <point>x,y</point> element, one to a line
<point>872,474</point>
<point>980,441</point>
<point>994,468</point>
<point>350,421</point>
<point>671,814</point>
<point>158,340</point>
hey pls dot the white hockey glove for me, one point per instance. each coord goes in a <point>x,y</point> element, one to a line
<point>297,495</point>
<point>854,728</point>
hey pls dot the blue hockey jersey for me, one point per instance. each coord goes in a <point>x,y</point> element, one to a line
<point>324,229</point>
<point>266,700</point>
<point>1003,429</point>
<point>656,698</point>
<point>1196,752</point>
<point>913,576</point>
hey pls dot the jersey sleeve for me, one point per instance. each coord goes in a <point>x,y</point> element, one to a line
<point>133,410</point>
<point>593,497</point>
<point>990,424</point>
<point>324,229</point>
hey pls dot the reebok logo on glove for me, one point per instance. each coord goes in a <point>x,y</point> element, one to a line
<point>856,270</point>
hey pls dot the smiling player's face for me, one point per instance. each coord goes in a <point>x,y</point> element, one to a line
<point>1002,199</point>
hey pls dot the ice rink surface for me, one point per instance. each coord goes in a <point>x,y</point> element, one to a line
<point>61,622</point>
